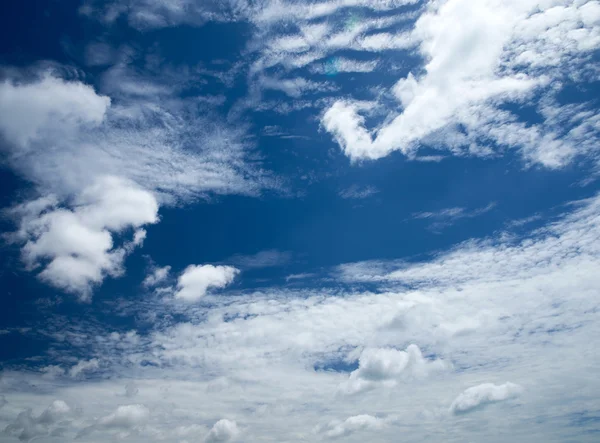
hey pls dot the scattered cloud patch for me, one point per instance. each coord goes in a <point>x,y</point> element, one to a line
<point>51,106</point>
<point>357,423</point>
<point>156,276</point>
<point>454,104</point>
<point>356,192</point>
<point>339,65</point>
<point>27,427</point>
<point>75,246</point>
<point>293,277</point>
<point>84,366</point>
<point>384,367</point>
<point>223,431</point>
<point>448,216</point>
<point>484,394</point>
<point>196,280</point>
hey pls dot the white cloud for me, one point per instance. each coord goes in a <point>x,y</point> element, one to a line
<point>75,246</point>
<point>195,280</point>
<point>125,422</point>
<point>302,276</point>
<point>156,276</point>
<point>502,308</point>
<point>356,423</point>
<point>293,87</point>
<point>84,366</point>
<point>27,427</point>
<point>472,56</point>
<point>36,110</point>
<point>384,367</point>
<point>223,431</point>
<point>447,216</point>
<point>483,394</point>
<point>137,140</point>
<point>384,41</point>
<point>125,417</point>
<point>341,64</point>
<point>282,11</point>
<point>357,192</point>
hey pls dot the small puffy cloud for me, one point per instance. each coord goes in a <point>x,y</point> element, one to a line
<point>223,431</point>
<point>357,423</point>
<point>484,394</point>
<point>75,246</point>
<point>30,111</point>
<point>84,366</point>
<point>125,417</point>
<point>194,282</point>
<point>125,420</point>
<point>156,276</point>
<point>385,366</point>
<point>55,412</point>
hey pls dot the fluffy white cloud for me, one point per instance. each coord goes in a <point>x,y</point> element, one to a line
<point>384,367</point>
<point>222,431</point>
<point>55,412</point>
<point>126,421</point>
<point>356,423</point>
<point>75,246</point>
<point>195,280</point>
<point>34,110</point>
<point>84,366</point>
<point>156,276</point>
<point>483,394</point>
<point>125,417</point>
<point>478,55</point>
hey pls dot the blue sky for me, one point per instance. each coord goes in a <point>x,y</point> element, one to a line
<point>255,221</point>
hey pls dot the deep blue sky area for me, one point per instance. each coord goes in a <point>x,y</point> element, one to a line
<point>332,219</point>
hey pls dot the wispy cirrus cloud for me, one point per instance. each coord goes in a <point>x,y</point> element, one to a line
<point>448,216</point>
<point>357,192</point>
<point>263,259</point>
